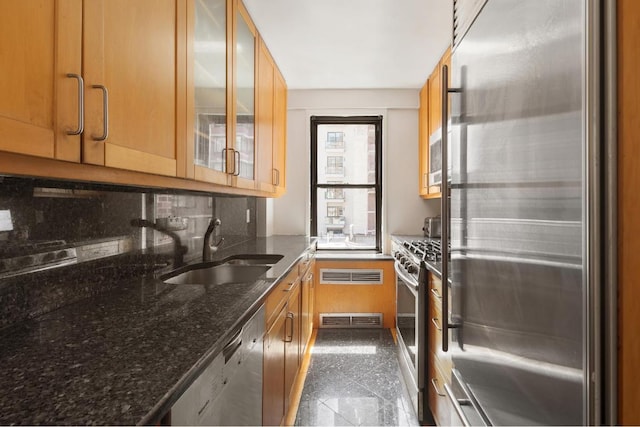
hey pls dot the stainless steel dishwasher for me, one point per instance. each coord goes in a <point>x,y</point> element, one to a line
<point>229,391</point>
<point>242,372</point>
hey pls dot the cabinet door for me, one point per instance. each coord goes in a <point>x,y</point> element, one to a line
<point>207,103</point>
<point>280,133</point>
<point>292,339</point>
<point>40,42</point>
<point>434,101</point>
<point>136,51</point>
<point>264,119</point>
<point>273,396</point>
<point>244,93</point>
<point>305,316</point>
<point>423,141</point>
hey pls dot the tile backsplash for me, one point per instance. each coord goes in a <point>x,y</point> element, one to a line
<point>97,222</point>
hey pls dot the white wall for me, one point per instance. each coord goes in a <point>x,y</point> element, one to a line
<point>403,210</point>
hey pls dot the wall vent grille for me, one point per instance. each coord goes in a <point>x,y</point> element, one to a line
<point>464,13</point>
<point>341,276</point>
<point>351,320</point>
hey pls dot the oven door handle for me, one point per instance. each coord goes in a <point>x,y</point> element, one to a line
<point>408,280</point>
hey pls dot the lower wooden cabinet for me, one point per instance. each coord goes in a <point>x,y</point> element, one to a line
<point>438,400</point>
<point>307,298</point>
<point>292,343</point>
<point>439,362</point>
<point>273,394</point>
<point>282,346</point>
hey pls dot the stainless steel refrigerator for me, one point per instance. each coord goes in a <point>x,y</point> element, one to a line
<point>522,206</point>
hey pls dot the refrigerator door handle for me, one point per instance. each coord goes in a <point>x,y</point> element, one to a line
<point>444,205</point>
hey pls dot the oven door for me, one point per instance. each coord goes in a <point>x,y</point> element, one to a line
<point>407,316</point>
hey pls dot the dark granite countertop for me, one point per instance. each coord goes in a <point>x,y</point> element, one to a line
<point>126,355</point>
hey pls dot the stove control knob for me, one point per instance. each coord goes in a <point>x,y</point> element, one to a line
<point>412,269</point>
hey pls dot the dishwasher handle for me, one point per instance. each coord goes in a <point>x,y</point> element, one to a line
<point>230,349</point>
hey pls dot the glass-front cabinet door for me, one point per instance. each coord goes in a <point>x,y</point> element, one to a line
<point>245,146</point>
<point>207,92</point>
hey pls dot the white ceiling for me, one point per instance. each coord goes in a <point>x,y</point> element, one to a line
<point>354,44</point>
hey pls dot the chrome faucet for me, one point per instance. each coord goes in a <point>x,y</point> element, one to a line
<point>208,249</point>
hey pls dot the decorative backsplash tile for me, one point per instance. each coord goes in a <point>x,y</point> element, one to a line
<point>92,226</point>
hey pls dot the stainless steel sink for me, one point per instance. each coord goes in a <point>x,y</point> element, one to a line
<point>254,259</point>
<point>219,275</point>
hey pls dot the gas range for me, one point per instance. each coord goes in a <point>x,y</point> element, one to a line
<point>18,257</point>
<point>409,253</point>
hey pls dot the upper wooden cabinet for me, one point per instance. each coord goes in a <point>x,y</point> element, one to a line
<point>244,88</point>
<point>280,133</point>
<point>162,87</point>
<point>265,119</point>
<point>430,122</point>
<point>133,67</point>
<point>208,106</point>
<point>89,73</point>
<point>423,141</point>
<point>271,124</point>
<point>41,41</point>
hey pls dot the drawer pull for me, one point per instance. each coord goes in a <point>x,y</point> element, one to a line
<point>434,320</point>
<point>435,293</point>
<point>434,384</point>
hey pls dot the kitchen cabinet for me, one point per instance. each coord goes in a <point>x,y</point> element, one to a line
<point>133,62</point>
<point>423,141</point>
<point>280,133</point>
<point>439,363</point>
<point>273,396</point>
<point>282,349</point>
<point>308,291</point>
<point>93,77</point>
<point>265,118</point>
<point>208,103</point>
<point>170,95</point>
<point>430,123</point>
<point>41,42</point>
<point>271,123</point>
<point>292,343</point>
<point>243,94</point>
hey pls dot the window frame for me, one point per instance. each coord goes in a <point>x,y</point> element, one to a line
<point>376,121</point>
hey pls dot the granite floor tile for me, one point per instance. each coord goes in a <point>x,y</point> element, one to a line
<point>354,378</point>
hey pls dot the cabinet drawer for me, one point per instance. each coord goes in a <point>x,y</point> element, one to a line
<point>435,335</point>
<point>280,294</point>
<point>435,286</point>
<point>438,400</point>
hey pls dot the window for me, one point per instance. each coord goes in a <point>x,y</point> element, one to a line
<point>346,189</point>
<point>335,140</point>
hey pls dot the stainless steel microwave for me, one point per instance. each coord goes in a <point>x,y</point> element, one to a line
<point>435,156</point>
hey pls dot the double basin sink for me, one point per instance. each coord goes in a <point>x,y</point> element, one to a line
<point>235,269</point>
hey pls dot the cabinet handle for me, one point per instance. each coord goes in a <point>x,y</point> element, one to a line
<point>425,180</point>
<point>289,288</point>
<point>80,128</point>
<point>434,384</point>
<point>434,320</point>
<point>105,114</point>
<point>435,293</point>
<point>236,163</point>
<point>288,338</point>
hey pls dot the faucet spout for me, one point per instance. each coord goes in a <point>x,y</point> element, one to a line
<point>178,251</point>
<point>210,248</point>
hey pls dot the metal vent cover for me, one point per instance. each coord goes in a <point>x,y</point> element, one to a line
<point>345,276</point>
<point>351,320</point>
<point>464,13</point>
